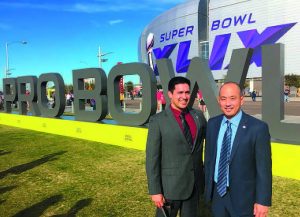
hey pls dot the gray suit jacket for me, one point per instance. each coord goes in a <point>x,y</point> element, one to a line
<point>173,169</point>
<point>250,165</point>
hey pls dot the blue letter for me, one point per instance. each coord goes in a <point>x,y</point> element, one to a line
<point>174,33</point>
<point>218,51</point>
<point>239,19</point>
<point>252,39</point>
<point>215,25</point>
<point>162,38</point>
<point>181,32</point>
<point>249,20</point>
<point>229,23</point>
<point>163,53</point>
<point>189,29</point>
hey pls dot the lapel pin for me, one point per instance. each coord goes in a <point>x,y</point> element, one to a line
<point>244,127</point>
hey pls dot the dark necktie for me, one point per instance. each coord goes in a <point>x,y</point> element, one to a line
<point>186,129</point>
<point>224,160</point>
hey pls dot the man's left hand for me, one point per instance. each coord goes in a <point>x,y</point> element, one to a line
<point>260,210</point>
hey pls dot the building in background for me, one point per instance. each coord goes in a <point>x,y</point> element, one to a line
<point>212,29</point>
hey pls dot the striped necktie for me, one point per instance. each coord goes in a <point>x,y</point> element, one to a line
<point>224,160</point>
<point>186,129</point>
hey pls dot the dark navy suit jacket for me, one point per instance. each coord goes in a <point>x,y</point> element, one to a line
<point>250,166</point>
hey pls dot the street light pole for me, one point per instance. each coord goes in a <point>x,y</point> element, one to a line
<point>7,69</point>
<point>7,61</point>
<point>100,55</point>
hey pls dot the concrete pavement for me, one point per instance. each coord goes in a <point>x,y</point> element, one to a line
<point>292,108</point>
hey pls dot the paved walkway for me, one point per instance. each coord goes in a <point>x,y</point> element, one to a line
<point>291,99</point>
<point>292,108</point>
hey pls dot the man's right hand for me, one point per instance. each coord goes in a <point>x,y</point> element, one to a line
<point>158,200</point>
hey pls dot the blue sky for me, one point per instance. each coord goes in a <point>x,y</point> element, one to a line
<point>65,35</point>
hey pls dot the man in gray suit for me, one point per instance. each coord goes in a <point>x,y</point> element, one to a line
<point>238,165</point>
<point>174,163</point>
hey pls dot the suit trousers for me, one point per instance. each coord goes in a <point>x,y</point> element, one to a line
<point>222,206</point>
<point>187,208</point>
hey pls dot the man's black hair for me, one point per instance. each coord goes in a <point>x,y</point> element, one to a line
<point>177,80</point>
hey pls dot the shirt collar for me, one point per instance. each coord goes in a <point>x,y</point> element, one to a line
<point>234,120</point>
<point>177,112</point>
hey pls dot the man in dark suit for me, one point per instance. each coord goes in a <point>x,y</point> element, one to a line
<point>174,162</point>
<point>238,165</point>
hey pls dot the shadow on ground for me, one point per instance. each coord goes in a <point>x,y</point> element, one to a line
<point>4,189</point>
<point>3,152</point>
<point>76,208</point>
<point>38,208</point>
<point>24,167</point>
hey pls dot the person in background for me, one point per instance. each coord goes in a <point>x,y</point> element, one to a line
<point>68,98</point>
<point>93,103</point>
<point>162,100</point>
<point>158,98</point>
<point>53,98</point>
<point>286,94</point>
<point>122,99</point>
<point>201,105</point>
<point>253,95</point>
<point>132,95</point>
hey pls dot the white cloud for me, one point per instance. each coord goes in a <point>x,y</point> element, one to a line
<point>113,22</point>
<point>97,6</point>
<point>112,7</point>
<point>30,6</point>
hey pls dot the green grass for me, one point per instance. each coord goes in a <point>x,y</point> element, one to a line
<point>49,175</point>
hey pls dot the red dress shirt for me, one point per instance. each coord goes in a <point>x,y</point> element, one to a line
<point>189,119</point>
